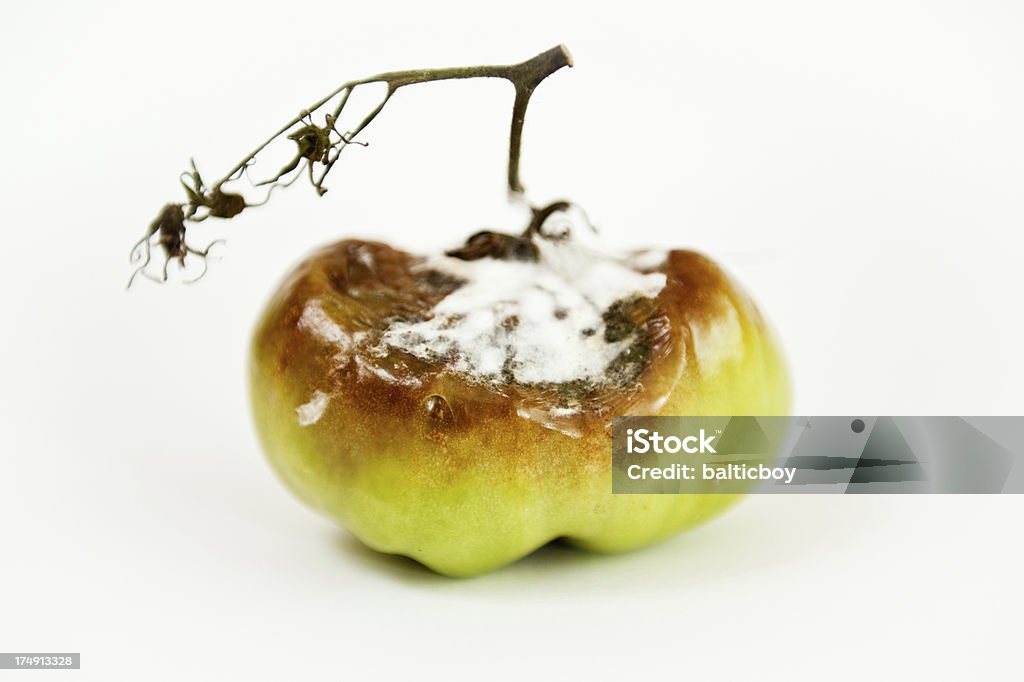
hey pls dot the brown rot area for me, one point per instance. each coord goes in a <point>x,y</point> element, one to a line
<point>324,333</point>
<point>695,284</point>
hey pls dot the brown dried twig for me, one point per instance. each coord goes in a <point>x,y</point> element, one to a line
<point>320,146</point>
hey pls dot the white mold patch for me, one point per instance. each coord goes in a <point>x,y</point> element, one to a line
<point>648,260</point>
<point>530,322</point>
<point>311,412</point>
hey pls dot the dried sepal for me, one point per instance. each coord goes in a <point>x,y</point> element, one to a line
<point>166,232</point>
<point>497,245</point>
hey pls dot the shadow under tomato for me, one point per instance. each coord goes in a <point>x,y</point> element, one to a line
<point>552,562</point>
<point>776,532</point>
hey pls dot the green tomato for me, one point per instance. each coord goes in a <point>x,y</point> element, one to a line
<point>416,456</point>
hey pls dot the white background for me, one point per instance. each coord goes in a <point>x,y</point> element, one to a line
<point>859,166</point>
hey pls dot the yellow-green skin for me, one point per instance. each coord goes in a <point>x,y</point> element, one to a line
<point>449,473</point>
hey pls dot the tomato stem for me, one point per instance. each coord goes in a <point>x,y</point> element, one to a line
<point>525,77</point>
<point>321,145</point>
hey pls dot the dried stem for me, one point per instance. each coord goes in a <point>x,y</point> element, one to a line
<point>322,145</point>
<point>525,77</point>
